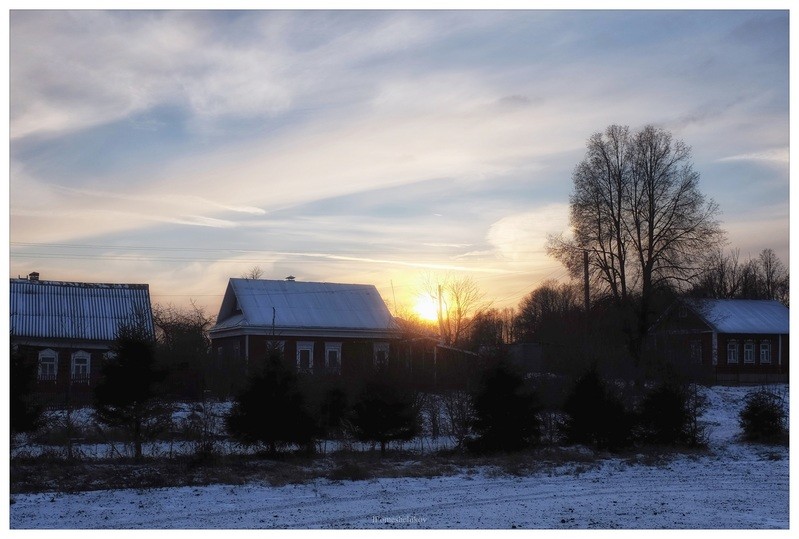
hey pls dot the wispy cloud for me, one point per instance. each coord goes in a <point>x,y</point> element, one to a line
<point>776,155</point>
<point>376,143</point>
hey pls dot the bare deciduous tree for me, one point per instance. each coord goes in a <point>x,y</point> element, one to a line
<point>726,277</point>
<point>546,309</point>
<point>636,209</point>
<point>774,275</point>
<point>459,300</point>
<point>254,272</point>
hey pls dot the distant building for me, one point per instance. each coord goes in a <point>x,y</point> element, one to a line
<point>734,340</point>
<point>318,327</point>
<point>69,327</point>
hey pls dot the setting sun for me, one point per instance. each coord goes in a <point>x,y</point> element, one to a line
<point>426,308</point>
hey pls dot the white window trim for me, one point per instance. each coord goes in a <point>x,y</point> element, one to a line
<point>48,354</point>
<point>81,355</point>
<point>732,346</point>
<point>765,346</point>
<point>381,347</point>
<point>332,346</point>
<point>749,346</point>
<point>305,345</point>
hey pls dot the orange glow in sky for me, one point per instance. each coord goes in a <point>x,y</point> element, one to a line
<point>426,307</point>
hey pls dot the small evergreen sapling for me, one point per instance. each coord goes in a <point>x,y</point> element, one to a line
<point>384,412</point>
<point>505,412</point>
<point>272,410</point>
<point>127,396</point>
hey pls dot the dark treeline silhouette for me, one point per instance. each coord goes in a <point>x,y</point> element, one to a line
<point>726,276</point>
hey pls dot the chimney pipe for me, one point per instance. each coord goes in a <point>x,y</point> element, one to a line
<point>33,276</point>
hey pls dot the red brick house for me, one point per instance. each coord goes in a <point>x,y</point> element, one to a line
<point>328,328</point>
<point>68,328</point>
<point>735,340</point>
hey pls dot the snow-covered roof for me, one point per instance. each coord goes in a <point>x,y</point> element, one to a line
<point>69,310</point>
<point>252,303</point>
<point>743,315</point>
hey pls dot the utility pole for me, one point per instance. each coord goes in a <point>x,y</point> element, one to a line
<point>585,278</point>
<point>440,315</point>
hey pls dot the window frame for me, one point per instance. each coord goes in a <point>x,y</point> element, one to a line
<point>765,346</point>
<point>50,357</point>
<point>80,355</point>
<point>377,348</point>
<point>749,352</point>
<point>333,347</point>
<point>301,347</point>
<point>732,346</point>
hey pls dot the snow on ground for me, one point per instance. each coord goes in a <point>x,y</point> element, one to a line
<point>734,486</point>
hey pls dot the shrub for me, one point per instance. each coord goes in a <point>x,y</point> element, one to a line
<point>272,410</point>
<point>127,396</point>
<point>201,428</point>
<point>764,417</point>
<point>596,415</point>
<point>458,415</point>
<point>328,402</point>
<point>25,413</point>
<point>669,415</point>
<point>384,412</point>
<point>505,412</point>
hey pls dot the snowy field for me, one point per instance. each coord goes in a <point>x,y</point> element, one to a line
<point>734,486</point>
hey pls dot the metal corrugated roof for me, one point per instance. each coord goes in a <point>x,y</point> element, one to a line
<point>67,310</point>
<point>744,315</point>
<point>305,305</point>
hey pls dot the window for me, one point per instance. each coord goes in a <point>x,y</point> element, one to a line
<point>81,364</point>
<point>381,354</point>
<point>696,351</point>
<point>683,312</point>
<point>749,352</point>
<point>236,350</point>
<point>305,356</point>
<point>765,352</point>
<point>732,352</point>
<point>333,356</point>
<point>48,364</point>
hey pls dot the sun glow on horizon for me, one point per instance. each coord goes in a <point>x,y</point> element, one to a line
<point>426,307</point>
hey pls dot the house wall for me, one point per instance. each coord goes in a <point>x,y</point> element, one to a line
<point>775,370</point>
<point>357,355</point>
<point>65,389</point>
<point>679,334</point>
<point>419,362</point>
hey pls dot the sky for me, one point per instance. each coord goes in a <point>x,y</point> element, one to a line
<point>182,148</point>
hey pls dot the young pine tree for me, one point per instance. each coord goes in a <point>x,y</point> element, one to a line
<point>272,410</point>
<point>596,416</point>
<point>26,414</point>
<point>505,412</point>
<point>127,396</point>
<point>384,412</point>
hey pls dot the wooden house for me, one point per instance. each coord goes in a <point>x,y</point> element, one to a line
<point>734,340</point>
<point>68,328</point>
<point>328,328</point>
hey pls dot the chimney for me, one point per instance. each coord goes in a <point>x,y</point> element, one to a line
<point>33,276</point>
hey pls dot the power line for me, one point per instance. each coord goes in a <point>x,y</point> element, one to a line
<point>197,249</point>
